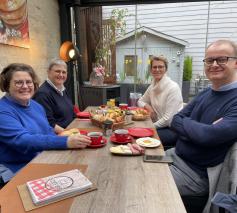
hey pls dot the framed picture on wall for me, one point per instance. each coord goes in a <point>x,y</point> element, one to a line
<point>14,28</point>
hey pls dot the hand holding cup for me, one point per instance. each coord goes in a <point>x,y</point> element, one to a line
<point>78,141</point>
<point>95,137</point>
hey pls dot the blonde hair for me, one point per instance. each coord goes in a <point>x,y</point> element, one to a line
<point>159,58</point>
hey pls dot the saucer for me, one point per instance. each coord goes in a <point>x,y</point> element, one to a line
<point>103,143</point>
<point>114,140</point>
<point>83,132</point>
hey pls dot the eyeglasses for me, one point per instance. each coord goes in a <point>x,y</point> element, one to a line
<point>20,83</point>
<point>219,60</point>
<point>159,67</point>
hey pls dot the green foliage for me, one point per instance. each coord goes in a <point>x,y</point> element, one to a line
<point>118,29</point>
<point>188,68</point>
<point>122,76</point>
<point>118,22</point>
<point>147,74</point>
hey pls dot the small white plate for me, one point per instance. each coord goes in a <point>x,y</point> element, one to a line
<point>148,142</point>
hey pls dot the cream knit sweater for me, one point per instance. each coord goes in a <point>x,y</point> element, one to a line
<point>165,98</point>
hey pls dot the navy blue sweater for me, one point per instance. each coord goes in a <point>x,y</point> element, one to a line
<point>59,109</point>
<point>201,142</point>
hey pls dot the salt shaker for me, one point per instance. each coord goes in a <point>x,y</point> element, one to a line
<point>107,128</point>
<point>128,117</point>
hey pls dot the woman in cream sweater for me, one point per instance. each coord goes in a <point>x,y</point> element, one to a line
<point>162,99</point>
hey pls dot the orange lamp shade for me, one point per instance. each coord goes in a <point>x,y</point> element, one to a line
<point>68,51</point>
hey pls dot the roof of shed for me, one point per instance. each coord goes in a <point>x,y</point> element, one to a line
<point>155,33</point>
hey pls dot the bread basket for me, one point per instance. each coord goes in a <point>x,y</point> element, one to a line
<point>140,118</point>
<point>100,124</point>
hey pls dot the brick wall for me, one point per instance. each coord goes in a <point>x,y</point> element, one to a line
<point>44,29</point>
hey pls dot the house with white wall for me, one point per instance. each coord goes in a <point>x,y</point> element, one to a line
<point>198,23</point>
<point>149,43</point>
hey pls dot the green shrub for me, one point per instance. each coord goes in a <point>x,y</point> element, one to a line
<point>188,68</point>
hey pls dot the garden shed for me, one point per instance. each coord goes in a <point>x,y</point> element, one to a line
<point>149,42</point>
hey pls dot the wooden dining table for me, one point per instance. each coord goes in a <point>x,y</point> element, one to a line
<point>125,184</point>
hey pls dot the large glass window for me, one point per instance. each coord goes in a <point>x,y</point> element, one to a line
<point>175,30</point>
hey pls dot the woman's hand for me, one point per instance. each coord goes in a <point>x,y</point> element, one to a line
<point>151,111</point>
<point>78,141</point>
<point>58,129</point>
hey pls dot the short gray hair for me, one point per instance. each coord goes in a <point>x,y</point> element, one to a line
<point>225,41</point>
<point>56,61</point>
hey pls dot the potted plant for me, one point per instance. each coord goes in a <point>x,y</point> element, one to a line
<point>187,76</point>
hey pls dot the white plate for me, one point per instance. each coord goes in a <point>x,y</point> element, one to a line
<point>148,142</point>
<point>122,150</point>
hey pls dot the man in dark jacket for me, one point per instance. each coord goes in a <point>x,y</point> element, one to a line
<point>53,97</point>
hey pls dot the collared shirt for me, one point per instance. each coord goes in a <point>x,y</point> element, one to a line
<point>60,91</point>
<point>227,87</point>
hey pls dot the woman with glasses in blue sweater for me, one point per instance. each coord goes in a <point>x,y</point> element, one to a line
<point>24,128</point>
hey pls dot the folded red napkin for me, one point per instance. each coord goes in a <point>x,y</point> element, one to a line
<point>83,114</point>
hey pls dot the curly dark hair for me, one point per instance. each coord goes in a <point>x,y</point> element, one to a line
<point>7,73</point>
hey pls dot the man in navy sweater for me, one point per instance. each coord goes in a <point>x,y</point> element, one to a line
<point>52,95</point>
<point>207,126</point>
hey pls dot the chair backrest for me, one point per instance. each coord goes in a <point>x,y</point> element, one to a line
<point>76,109</point>
<point>222,178</point>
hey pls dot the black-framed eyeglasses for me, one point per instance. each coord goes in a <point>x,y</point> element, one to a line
<point>20,83</point>
<point>219,60</point>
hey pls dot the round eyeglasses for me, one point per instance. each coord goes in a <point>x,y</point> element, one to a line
<point>20,83</point>
<point>158,67</point>
<point>219,60</point>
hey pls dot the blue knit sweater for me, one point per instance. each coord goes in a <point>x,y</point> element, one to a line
<point>201,143</point>
<point>24,131</point>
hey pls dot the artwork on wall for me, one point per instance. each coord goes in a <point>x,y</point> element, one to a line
<point>14,28</point>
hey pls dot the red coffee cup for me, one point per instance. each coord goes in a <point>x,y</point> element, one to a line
<point>96,137</point>
<point>121,135</point>
<point>123,106</point>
